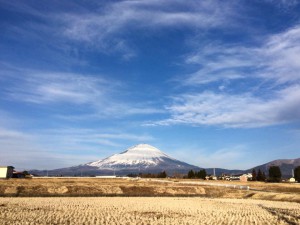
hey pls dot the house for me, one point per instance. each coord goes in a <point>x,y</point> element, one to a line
<point>244,178</point>
<point>6,171</point>
<point>211,177</point>
<point>241,177</point>
<point>17,174</point>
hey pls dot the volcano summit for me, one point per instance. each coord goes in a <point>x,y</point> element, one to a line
<point>141,158</point>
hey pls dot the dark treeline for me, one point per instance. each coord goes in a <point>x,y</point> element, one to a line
<point>149,175</point>
<point>194,174</point>
<point>297,174</point>
<point>274,174</point>
<point>259,176</point>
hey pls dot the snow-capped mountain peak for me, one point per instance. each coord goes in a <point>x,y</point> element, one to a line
<point>144,150</point>
<point>141,158</point>
<point>141,155</point>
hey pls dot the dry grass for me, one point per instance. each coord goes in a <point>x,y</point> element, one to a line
<point>144,187</point>
<point>270,187</point>
<point>94,187</point>
<point>225,205</point>
<point>142,210</point>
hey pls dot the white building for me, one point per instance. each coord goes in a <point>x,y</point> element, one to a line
<point>6,171</point>
<point>292,180</point>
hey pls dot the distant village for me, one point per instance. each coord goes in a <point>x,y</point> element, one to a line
<point>7,172</point>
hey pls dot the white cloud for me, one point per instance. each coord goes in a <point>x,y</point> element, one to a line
<point>269,79</point>
<point>120,16</point>
<point>226,110</point>
<point>106,27</point>
<point>21,150</point>
<point>281,55</point>
<point>51,149</point>
<point>276,60</point>
<point>90,136</point>
<point>6,134</point>
<point>283,3</point>
<point>221,63</point>
<point>101,97</point>
<point>47,87</point>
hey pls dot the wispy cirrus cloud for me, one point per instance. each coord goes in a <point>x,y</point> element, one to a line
<point>221,63</point>
<point>105,26</point>
<point>276,60</point>
<point>283,3</point>
<point>46,87</point>
<point>91,136</point>
<point>271,97</point>
<point>227,110</point>
<point>128,15</point>
<point>281,56</point>
<point>61,147</point>
<point>101,97</point>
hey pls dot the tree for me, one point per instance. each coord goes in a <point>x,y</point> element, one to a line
<point>263,176</point>
<point>297,174</point>
<point>191,174</point>
<point>259,176</point>
<point>274,174</point>
<point>253,174</point>
<point>162,175</point>
<point>202,174</point>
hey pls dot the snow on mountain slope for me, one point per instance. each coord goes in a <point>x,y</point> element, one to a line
<point>142,155</point>
<point>142,158</point>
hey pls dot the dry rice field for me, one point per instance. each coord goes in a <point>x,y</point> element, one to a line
<point>146,210</point>
<point>88,187</point>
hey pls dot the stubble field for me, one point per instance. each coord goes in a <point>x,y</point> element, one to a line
<point>146,210</point>
<point>90,201</point>
<point>95,187</point>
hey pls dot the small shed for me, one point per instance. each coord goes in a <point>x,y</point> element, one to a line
<point>244,178</point>
<point>6,172</point>
<point>292,180</point>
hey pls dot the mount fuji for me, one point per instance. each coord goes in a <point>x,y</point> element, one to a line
<point>138,157</point>
<point>141,158</point>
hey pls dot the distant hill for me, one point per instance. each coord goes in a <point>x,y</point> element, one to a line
<point>220,171</point>
<point>286,166</point>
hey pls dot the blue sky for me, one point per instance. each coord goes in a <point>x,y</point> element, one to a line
<point>212,83</point>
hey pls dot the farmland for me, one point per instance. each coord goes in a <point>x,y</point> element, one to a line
<point>146,201</point>
<point>93,187</point>
<point>146,210</point>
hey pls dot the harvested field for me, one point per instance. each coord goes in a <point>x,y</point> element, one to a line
<point>143,210</point>
<point>92,187</point>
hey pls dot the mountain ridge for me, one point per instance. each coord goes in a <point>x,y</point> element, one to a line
<point>144,158</point>
<point>286,166</point>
